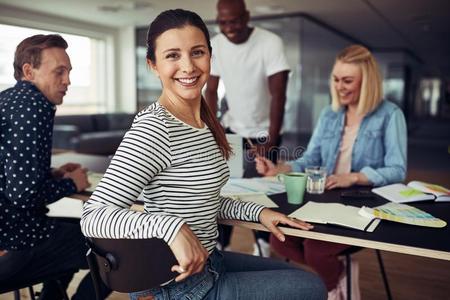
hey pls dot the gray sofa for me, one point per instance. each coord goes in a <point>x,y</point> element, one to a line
<point>92,134</point>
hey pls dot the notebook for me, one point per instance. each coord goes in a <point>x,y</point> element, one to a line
<point>414,191</point>
<point>336,214</point>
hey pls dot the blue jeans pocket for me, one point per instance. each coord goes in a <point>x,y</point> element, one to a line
<point>156,293</point>
<point>194,287</point>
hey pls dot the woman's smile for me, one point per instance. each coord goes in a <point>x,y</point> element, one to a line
<point>188,81</point>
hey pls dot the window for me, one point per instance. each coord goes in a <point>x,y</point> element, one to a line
<point>87,91</point>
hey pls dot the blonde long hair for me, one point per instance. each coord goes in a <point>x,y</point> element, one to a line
<point>371,84</point>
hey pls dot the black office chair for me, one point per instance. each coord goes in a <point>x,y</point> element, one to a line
<point>16,286</point>
<point>130,265</point>
<point>347,254</point>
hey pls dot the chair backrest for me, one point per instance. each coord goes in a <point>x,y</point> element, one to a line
<point>130,265</point>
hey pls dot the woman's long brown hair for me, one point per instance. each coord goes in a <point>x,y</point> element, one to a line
<point>219,134</point>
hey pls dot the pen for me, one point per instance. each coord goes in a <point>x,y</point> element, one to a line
<point>252,147</point>
<point>249,141</point>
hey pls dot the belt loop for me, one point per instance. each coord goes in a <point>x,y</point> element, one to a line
<point>165,293</point>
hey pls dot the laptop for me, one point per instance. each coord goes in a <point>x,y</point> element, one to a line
<point>236,161</point>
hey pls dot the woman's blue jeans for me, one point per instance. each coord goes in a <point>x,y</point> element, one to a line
<point>234,276</point>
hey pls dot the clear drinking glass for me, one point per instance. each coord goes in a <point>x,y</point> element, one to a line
<point>317,176</point>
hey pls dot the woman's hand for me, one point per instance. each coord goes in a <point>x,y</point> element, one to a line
<point>79,177</point>
<point>267,168</point>
<point>346,180</point>
<point>69,167</point>
<point>189,252</point>
<point>270,219</point>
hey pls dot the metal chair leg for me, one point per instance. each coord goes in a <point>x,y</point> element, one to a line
<point>384,275</point>
<point>16,294</point>
<point>92,262</point>
<point>31,291</point>
<point>257,243</point>
<point>348,270</point>
<point>62,290</point>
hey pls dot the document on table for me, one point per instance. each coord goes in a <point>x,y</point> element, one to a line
<point>94,179</point>
<point>66,208</point>
<point>256,198</point>
<point>240,186</point>
<point>336,214</point>
<point>94,163</point>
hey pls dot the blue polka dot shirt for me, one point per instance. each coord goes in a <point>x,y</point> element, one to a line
<point>26,183</point>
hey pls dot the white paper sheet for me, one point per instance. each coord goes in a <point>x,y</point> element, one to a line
<point>66,208</point>
<point>241,186</point>
<point>94,179</point>
<point>256,198</point>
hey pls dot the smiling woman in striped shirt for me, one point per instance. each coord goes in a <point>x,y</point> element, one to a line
<point>175,152</point>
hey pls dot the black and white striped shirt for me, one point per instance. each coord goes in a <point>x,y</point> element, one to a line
<point>180,170</point>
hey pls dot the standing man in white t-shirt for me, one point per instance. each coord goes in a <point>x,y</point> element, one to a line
<point>253,67</point>
<point>254,70</point>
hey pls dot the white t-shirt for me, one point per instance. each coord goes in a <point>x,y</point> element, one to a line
<point>244,69</point>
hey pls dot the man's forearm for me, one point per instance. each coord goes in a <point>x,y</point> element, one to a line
<point>277,87</point>
<point>276,118</point>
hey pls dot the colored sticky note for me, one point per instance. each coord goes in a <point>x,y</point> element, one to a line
<point>410,193</point>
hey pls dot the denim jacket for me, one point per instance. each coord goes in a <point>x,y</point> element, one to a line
<point>379,151</point>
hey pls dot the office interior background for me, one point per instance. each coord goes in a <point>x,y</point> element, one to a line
<point>410,39</point>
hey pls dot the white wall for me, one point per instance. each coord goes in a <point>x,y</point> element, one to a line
<point>126,77</point>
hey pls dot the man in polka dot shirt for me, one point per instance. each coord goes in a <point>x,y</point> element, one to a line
<point>31,243</point>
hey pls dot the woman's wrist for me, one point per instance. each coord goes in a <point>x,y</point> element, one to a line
<point>354,178</point>
<point>283,167</point>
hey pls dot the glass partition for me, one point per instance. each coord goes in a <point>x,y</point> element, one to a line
<point>310,48</point>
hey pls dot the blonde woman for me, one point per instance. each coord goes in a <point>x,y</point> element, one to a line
<point>360,139</point>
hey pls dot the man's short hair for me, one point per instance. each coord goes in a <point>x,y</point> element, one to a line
<point>30,49</point>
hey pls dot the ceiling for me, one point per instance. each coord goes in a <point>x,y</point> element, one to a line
<point>421,27</point>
